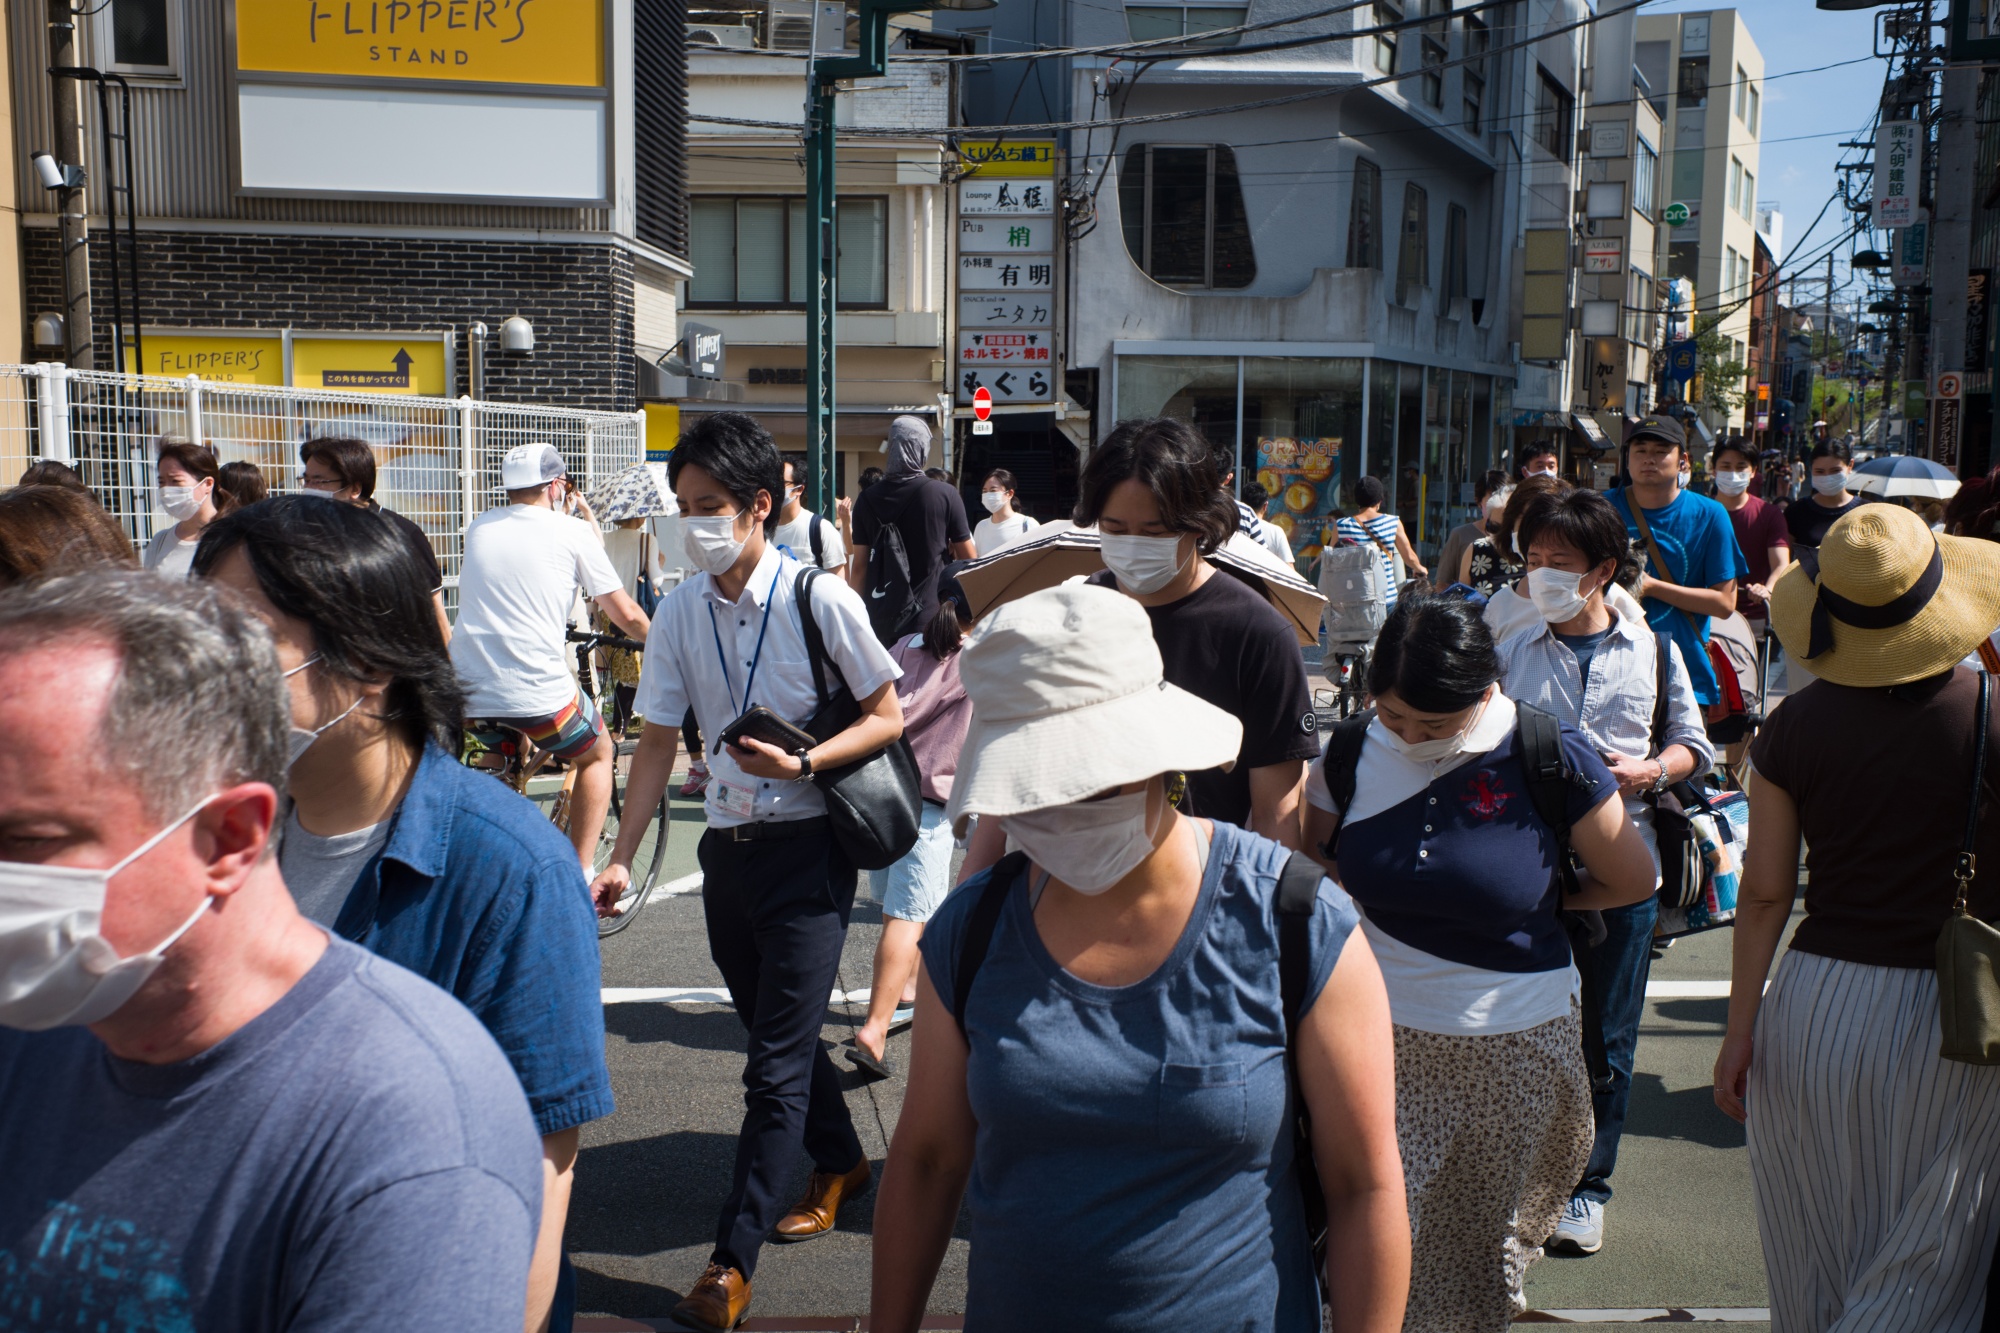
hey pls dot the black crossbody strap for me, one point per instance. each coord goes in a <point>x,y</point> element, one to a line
<point>1968,862</point>
<point>809,626</point>
<point>979,930</point>
<point>1343,760</point>
<point>1662,660</point>
<point>1298,891</point>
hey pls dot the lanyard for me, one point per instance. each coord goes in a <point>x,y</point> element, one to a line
<point>757,656</point>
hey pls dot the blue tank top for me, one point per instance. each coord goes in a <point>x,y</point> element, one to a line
<point>1139,1136</point>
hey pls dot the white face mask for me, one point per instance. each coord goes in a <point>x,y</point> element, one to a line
<point>1684,478</point>
<point>1547,470</point>
<point>180,502</point>
<point>1142,564</point>
<point>1432,751</point>
<point>1732,483</point>
<point>56,970</point>
<point>711,543</point>
<point>1089,846</point>
<point>1829,483</point>
<point>1557,594</point>
<point>995,501</point>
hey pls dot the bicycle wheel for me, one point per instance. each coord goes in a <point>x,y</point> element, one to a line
<point>646,861</point>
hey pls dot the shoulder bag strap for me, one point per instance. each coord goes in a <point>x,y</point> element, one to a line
<point>1298,891</point>
<point>809,626</point>
<point>1662,662</point>
<point>814,540</point>
<point>1968,862</point>
<point>979,930</point>
<point>1653,549</point>
<point>1343,758</point>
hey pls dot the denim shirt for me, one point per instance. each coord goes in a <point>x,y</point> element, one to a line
<point>478,892</point>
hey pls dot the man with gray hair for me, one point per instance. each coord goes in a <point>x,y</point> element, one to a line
<point>906,526</point>
<point>212,1115</point>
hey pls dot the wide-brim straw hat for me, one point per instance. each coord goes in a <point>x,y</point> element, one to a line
<point>1068,700</point>
<point>1885,600</point>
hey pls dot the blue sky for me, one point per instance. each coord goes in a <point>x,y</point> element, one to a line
<point>1807,116</point>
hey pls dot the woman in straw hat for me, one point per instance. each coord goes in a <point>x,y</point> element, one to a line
<point>1874,1161</point>
<point>1101,1040</point>
<point>1438,836</point>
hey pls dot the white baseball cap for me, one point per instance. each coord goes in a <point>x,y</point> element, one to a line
<point>527,465</point>
<point>1068,700</point>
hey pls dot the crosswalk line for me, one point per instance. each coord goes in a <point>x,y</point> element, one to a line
<point>1655,990</point>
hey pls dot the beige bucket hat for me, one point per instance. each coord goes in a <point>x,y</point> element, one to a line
<point>1885,600</point>
<point>1068,700</point>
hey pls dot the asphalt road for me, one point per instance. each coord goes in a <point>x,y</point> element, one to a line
<point>1680,1233</point>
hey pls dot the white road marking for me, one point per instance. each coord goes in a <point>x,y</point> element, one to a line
<point>1655,990</point>
<point>1686,1315</point>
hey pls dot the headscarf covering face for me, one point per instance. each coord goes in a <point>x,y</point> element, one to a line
<point>909,446</point>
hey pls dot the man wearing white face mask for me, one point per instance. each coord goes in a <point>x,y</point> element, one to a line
<point>776,886</point>
<point>1593,661</point>
<point>524,566</point>
<point>260,1128</point>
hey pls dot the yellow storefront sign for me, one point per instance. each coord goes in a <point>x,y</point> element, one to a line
<point>663,430</point>
<point>371,365</point>
<point>251,359</point>
<point>553,42</point>
<point>1009,157</point>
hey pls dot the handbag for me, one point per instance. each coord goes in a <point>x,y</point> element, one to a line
<point>645,592</point>
<point>875,803</point>
<point>1968,949</point>
<point>1690,898</point>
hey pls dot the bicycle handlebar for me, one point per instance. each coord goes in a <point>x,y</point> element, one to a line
<point>604,641</point>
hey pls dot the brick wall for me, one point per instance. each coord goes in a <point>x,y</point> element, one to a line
<point>579,298</point>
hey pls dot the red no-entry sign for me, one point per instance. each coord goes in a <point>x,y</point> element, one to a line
<point>982,403</point>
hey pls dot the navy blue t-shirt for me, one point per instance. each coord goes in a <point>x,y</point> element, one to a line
<point>1698,540</point>
<point>1140,1135</point>
<point>358,1156</point>
<point>1465,868</point>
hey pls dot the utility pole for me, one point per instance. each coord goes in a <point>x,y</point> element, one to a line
<point>74,229</point>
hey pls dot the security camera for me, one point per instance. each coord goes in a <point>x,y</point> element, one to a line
<point>49,171</point>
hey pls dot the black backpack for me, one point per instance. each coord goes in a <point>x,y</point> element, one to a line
<point>1298,889</point>
<point>1538,736</point>
<point>894,607</point>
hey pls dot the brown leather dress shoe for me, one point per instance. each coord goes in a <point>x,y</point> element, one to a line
<point>717,1302</point>
<point>815,1214</point>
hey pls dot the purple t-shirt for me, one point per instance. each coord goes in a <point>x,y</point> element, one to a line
<point>935,713</point>
<point>1759,526</point>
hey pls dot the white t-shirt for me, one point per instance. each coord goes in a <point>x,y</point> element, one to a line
<point>168,554</point>
<point>796,536</point>
<point>524,566</point>
<point>1274,541</point>
<point>989,536</point>
<point>623,546</point>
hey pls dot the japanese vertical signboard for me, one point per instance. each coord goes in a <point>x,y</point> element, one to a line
<point>1898,163</point>
<point>1006,273</point>
<point>1911,251</point>
<point>1978,291</point>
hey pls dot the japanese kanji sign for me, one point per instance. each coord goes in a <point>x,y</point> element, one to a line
<point>1006,273</point>
<point>1898,172</point>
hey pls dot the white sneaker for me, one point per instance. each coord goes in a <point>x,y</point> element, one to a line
<point>1581,1230</point>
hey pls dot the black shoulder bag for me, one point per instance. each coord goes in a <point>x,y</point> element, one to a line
<point>875,803</point>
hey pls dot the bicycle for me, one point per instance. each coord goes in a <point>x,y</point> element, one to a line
<point>1351,687</point>
<point>509,755</point>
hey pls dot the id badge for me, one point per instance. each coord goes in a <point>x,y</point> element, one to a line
<point>734,800</point>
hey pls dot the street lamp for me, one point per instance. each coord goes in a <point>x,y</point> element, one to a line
<point>1868,259</point>
<point>822,76</point>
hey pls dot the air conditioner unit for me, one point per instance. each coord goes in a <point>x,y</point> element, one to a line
<point>792,28</point>
<point>730,36</point>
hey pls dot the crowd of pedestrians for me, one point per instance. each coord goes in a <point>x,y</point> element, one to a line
<point>1245,1021</point>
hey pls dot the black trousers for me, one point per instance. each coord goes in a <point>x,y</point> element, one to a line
<point>777,917</point>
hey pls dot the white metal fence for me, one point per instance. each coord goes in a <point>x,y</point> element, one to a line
<point>437,459</point>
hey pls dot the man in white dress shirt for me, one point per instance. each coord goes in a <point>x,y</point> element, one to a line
<point>776,887</point>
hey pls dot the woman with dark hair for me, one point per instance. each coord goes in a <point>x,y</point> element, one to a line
<point>1003,522</point>
<point>243,483</point>
<point>186,476</point>
<point>935,716</point>
<point>50,529</point>
<point>1369,526</point>
<point>392,843</point>
<point>48,472</point>
<point>1590,658</point>
<point>1151,491</point>
<point>343,468</point>
<point>1423,812</point>
<point>1808,517</point>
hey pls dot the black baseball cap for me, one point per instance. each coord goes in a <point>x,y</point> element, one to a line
<point>1665,429</point>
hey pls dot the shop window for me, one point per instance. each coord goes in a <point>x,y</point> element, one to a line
<point>1553,108</point>
<point>1472,80</point>
<point>139,37</point>
<point>1684,261</point>
<point>1645,178</point>
<point>1413,262</point>
<point>1456,278</point>
<point>1687,183</point>
<point>749,251</point>
<point>1364,217</point>
<point>1184,219</point>
<point>1387,16</point>
<point>1639,316</point>
<point>1148,23</point>
<point>1692,89</point>
<point>1434,51</point>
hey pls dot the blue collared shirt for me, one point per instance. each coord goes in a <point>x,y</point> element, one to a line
<point>478,892</point>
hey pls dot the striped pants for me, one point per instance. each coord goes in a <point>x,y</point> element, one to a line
<point>1873,1161</point>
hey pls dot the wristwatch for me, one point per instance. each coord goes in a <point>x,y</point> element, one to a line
<point>805,765</point>
<point>1660,783</point>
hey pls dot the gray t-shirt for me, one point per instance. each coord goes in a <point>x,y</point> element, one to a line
<point>358,1156</point>
<point>321,872</point>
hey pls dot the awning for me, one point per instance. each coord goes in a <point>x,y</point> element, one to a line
<point>1593,434</point>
